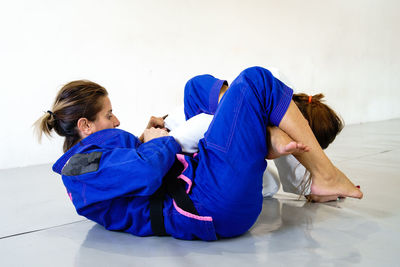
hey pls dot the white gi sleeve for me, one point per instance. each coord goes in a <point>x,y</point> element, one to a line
<point>191,131</point>
<point>292,175</point>
<point>271,183</point>
<point>175,118</point>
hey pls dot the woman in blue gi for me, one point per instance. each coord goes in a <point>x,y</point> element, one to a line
<point>145,186</point>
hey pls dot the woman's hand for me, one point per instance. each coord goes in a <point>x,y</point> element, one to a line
<point>154,122</point>
<point>153,133</point>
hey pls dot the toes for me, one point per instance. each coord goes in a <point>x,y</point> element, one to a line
<point>293,147</point>
<point>303,147</point>
<point>358,194</point>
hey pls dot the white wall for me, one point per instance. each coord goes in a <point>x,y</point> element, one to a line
<point>143,52</point>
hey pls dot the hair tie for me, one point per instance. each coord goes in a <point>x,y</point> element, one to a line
<point>309,98</point>
<point>51,114</point>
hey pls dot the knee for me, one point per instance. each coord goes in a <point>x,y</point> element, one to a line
<point>189,86</point>
<point>258,76</point>
<point>196,85</point>
<point>256,72</point>
<point>259,79</point>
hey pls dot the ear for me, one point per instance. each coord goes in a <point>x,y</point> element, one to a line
<point>85,127</point>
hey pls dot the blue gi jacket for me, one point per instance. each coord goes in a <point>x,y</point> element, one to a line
<point>110,176</point>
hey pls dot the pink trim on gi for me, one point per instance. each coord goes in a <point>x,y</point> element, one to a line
<point>70,195</point>
<point>190,215</point>
<point>182,159</point>
<point>188,181</point>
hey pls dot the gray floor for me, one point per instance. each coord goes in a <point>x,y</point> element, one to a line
<point>39,227</point>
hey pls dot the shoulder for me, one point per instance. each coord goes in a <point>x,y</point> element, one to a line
<point>82,163</point>
<point>100,141</point>
<point>111,138</point>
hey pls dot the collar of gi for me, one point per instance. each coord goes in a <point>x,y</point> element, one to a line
<point>93,139</point>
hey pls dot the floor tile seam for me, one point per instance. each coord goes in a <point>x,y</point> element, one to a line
<point>42,229</point>
<point>16,168</point>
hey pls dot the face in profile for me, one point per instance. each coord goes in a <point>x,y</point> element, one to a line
<point>105,119</point>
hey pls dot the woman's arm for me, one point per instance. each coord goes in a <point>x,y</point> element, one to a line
<point>122,172</point>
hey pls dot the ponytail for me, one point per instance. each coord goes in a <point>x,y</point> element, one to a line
<point>75,100</point>
<point>323,121</point>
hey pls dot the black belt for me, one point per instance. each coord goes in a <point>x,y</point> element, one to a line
<point>175,188</point>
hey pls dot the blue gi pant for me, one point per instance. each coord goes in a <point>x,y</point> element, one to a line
<point>231,158</point>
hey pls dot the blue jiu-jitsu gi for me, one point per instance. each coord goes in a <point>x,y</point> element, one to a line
<point>110,175</point>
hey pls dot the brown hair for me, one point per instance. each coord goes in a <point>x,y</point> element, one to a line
<point>324,122</point>
<point>77,99</point>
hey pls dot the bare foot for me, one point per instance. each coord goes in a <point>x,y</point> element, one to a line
<point>337,185</point>
<point>280,144</point>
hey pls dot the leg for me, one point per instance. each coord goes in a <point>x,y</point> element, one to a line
<point>202,94</point>
<point>222,92</point>
<point>280,144</point>
<point>327,180</point>
<point>231,158</point>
